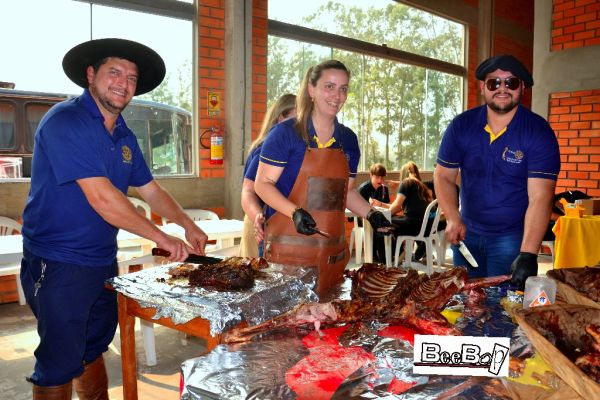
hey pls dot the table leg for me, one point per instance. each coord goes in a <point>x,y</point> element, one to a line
<point>128,361</point>
<point>368,236</point>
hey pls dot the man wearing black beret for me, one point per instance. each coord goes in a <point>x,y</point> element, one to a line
<point>509,161</point>
<point>84,160</point>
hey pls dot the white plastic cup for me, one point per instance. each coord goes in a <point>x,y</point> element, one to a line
<point>539,291</point>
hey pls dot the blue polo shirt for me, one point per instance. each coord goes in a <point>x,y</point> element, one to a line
<point>285,148</point>
<point>72,143</point>
<point>251,166</point>
<point>494,173</point>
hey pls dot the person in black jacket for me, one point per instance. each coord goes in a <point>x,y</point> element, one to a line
<point>375,187</point>
<point>375,192</point>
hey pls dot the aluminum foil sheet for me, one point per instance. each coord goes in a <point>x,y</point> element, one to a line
<point>257,370</point>
<point>279,290</point>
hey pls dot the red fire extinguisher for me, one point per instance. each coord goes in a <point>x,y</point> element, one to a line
<point>216,146</point>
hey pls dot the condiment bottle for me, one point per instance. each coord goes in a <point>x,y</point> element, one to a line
<point>539,291</point>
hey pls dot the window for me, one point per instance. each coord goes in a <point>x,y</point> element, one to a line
<point>164,25</point>
<point>7,126</point>
<point>407,70</point>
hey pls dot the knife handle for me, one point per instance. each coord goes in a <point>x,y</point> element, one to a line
<point>156,251</point>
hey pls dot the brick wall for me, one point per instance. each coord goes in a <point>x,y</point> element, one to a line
<point>575,23</point>
<point>575,117</point>
<point>520,14</point>
<point>211,77</point>
<point>259,63</point>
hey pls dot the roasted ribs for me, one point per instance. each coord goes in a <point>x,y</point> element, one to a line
<point>415,301</point>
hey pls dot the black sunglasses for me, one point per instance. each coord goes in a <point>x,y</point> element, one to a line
<point>511,83</point>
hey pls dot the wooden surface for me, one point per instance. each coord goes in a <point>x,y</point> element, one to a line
<point>564,368</point>
<point>569,295</point>
<point>128,310</point>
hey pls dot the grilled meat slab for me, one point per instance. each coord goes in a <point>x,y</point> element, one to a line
<point>233,273</point>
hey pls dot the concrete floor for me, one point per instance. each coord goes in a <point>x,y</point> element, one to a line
<point>18,340</point>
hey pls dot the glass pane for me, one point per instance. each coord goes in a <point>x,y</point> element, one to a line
<point>399,112</point>
<point>173,99</point>
<point>164,134</point>
<point>379,22</point>
<point>34,114</point>
<point>7,126</point>
<point>173,41</point>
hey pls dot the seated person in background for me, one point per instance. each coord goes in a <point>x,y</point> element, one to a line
<point>413,198</point>
<point>375,191</point>
<point>374,188</point>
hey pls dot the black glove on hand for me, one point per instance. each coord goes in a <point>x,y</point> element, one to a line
<point>378,220</point>
<point>303,221</point>
<point>524,266</point>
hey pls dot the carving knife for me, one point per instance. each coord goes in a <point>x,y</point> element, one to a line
<point>192,258</point>
<point>467,254</point>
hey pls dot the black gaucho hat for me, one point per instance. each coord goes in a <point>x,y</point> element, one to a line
<point>505,63</point>
<point>151,67</point>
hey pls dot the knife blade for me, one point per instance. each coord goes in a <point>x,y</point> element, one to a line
<point>191,258</point>
<point>320,232</point>
<point>467,254</point>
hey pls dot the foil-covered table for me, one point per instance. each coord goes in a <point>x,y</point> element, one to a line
<point>366,361</point>
<point>148,294</point>
<point>279,289</point>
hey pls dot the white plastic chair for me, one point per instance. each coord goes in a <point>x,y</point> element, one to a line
<point>9,226</point>
<point>125,254</point>
<point>429,240</point>
<point>146,327</point>
<point>142,206</point>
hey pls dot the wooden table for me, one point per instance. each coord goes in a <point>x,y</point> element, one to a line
<point>577,242</point>
<point>128,310</point>
<point>225,230</point>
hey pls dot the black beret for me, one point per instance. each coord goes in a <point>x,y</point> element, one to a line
<point>505,63</point>
<point>151,67</point>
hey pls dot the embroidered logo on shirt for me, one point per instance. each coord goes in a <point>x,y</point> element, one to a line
<point>512,156</point>
<point>126,152</point>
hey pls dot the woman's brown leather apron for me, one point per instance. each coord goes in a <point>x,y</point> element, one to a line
<point>320,188</point>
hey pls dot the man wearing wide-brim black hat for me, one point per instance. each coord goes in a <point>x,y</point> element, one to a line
<point>509,161</point>
<point>84,160</point>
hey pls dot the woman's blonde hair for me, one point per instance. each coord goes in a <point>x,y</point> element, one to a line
<point>281,108</point>
<point>304,102</point>
<point>408,169</point>
<point>409,175</point>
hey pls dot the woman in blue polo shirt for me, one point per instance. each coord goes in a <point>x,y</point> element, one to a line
<point>306,168</point>
<point>252,237</point>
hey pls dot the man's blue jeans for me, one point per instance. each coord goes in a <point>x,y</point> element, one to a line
<point>494,254</point>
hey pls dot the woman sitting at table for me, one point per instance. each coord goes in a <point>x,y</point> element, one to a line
<point>412,199</point>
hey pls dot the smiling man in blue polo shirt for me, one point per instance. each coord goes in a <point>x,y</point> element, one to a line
<point>509,160</point>
<point>84,160</point>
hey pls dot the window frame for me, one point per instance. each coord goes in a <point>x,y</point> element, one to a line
<point>300,33</point>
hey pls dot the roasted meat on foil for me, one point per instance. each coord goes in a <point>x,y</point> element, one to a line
<point>233,273</point>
